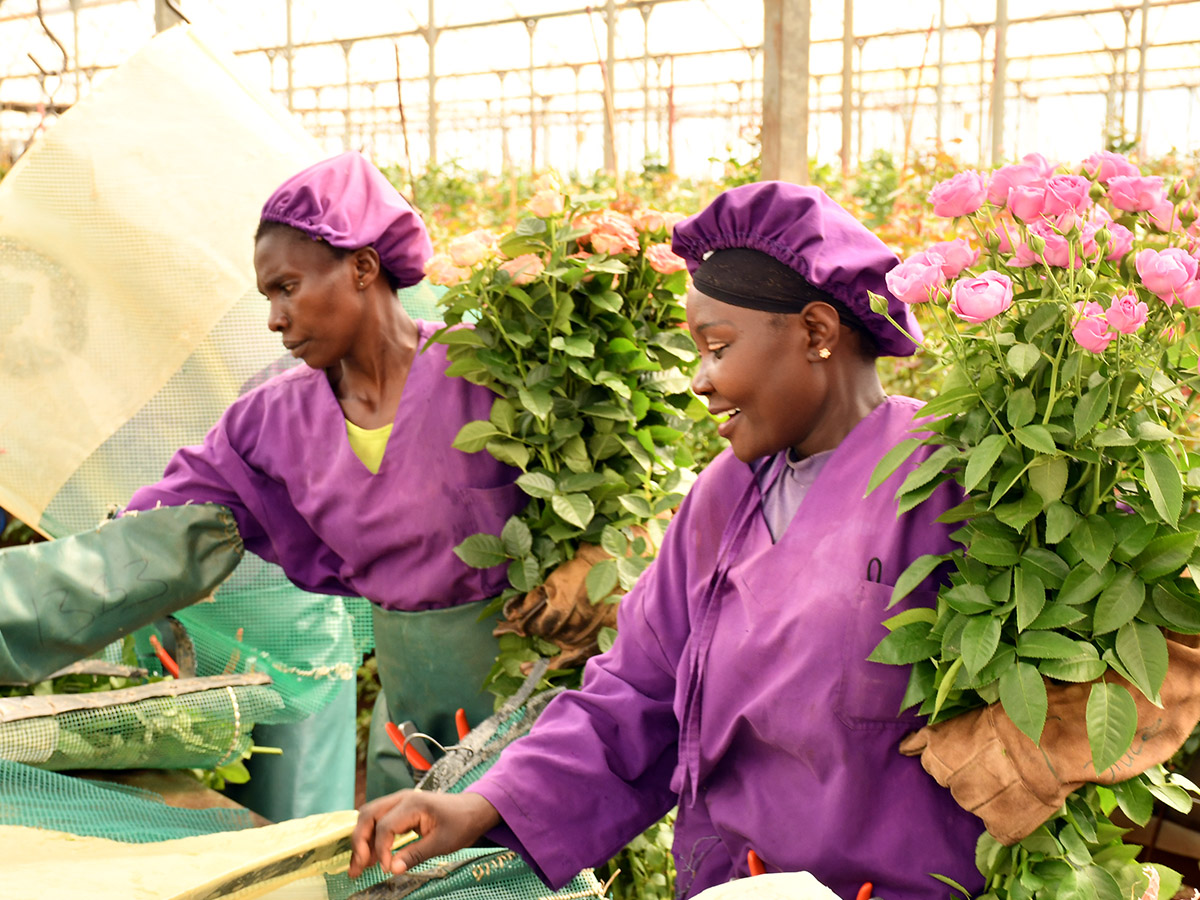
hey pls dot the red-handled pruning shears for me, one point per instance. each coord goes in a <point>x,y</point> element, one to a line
<point>164,657</point>
<point>460,724</point>
<point>755,864</point>
<point>404,745</point>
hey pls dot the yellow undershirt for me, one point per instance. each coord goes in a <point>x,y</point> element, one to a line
<point>368,444</point>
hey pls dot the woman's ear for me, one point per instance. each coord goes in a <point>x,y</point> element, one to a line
<point>824,330</point>
<point>366,266</point>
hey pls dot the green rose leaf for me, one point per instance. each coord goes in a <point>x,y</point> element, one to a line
<point>1036,438</point>
<point>481,551</point>
<point>906,645</point>
<point>530,226</point>
<point>993,550</point>
<point>574,508</point>
<point>1046,645</point>
<point>1060,519</point>
<point>892,461</point>
<point>1021,408</point>
<point>951,403</point>
<point>601,580</point>
<point>613,542</point>
<point>1089,883</point>
<point>1165,556</point>
<point>473,436</point>
<point>1079,669</point>
<point>1142,650</point>
<point>928,470</point>
<point>1180,613</point>
<point>504,415</point>
<point>516,538</point>
<point>1030,594</point>
<point>1111,723</point>
<point>980,638</point>
<point>1164,482</point>
<point>1049,567</point>
<point>537,484</point>
<point>1094,539</point>
<point>982,459</point>
<point>1020,513</point>
<point>918,570</point>
<point>523,574</point>
<point>1135,800</point>
<point>1084,583</point>
<point>1119,602</point>
<point>1152,431</point>
<point>1048,478</point>
<point>1113,437</point>
<point>1022,358</point>
<point>1023,696</point>
<point>1090,409</point>
<point>536,400</point>
<point>512,452</point>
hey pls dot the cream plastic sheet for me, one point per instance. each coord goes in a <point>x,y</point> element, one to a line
<point>276,862</point>
<point>125,236</point>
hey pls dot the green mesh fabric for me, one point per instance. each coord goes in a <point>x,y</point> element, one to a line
<point>37,799</point>
<point>479,873</point>
<point>198,730</point>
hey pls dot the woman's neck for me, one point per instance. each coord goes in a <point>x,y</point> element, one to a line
<point>369,381</point>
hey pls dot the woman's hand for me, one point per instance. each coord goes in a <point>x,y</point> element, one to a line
<point>445,822</point>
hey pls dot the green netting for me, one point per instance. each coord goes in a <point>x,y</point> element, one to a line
<point>479,873</point>
<point>37,799</point>
<point>124,729</point>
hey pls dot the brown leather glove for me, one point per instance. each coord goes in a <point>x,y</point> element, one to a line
<point>995,771</point>
<point>559,611</point>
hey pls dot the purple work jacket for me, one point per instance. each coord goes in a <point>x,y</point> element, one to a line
<point>280,459</point>
<point>739,689</point>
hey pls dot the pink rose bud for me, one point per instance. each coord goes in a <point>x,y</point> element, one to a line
<point>976,300</point>
<point>1006,178</point>
<point>545,203</point>
<point>958,196</point>
<point>1025,202</point>
<point>1066,193</point>
<point>956,255</point>
<point>1040,164</point>
<point>1091,332</point>
<point>1179,190</point>
<point>1052,248</point>
<point>1163,217</point>
<point>663,260</point>
<point>467,250</point>
<point>1120,241</point>
<point>1126,314</point>
<point>917,279</point>
<point>1104,164</point>
<point>1136,193</point>
<point>524,268</point>
<point>1165,272</point>
<point>1190,294</point>
<point>1188,213</point>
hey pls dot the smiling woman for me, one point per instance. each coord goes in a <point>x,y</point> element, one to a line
<point>739,688</point>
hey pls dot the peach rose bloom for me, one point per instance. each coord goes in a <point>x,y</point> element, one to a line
<point>524,268</point>
<point>545,203</point>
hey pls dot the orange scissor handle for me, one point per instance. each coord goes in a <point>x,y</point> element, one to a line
<point>865,892</point>
<point>415,759</point>
<point>163,656</point>
<point>460,723</point>
<point>755,864</point>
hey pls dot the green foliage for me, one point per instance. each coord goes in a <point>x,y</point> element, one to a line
<point>644,870</point>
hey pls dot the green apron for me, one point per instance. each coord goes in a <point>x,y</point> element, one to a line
<point>431,663</point>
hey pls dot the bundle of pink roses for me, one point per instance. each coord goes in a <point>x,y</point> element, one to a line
<point>1059,308</point>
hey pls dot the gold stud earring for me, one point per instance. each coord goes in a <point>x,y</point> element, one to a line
<point>824,353</point>
<point>360,285</point>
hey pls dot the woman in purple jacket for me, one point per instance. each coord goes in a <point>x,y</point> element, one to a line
<point>739,689</point>
<point>342,470</point>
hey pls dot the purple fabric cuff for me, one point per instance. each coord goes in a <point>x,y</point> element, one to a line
<point>349,203</point>
<point>808,232</point>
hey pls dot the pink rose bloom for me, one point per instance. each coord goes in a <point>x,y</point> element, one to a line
<point>440,269</point>
<point>1066,193</point>
<point>548,181</point>
<point>523,268</point>
<point>467,250</point>
<point>958,196</point>
<point>1004,244</point>
<point>1025,201</point>
<point>485,237</point>
<point>1104,164</point>
<point>612,233</point>
<point>1120,241</point>
<point>1136,193</point>
<point>1091,331</point>
<point>545,203</point>
<point>976,300</point>
<point>649,220</point>
<point>1057,251</point>
<point>671,219</point>
<point>956,255</point>
<point>1190,294</point>
<point>1006,178</point>
<point>1126,314</point>
<point>1039,164</point>
<point>918,278</point>
<point>1165,272</point>
<point>1163,216</point>
<point>663,260</point>
<point>1089,249</point>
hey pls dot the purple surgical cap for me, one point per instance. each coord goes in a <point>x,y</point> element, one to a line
<point>808,232</point>
<point>348,202</point>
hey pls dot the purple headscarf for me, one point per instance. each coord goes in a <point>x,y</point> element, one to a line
<point>808,232</point>
<point>348,202</point>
